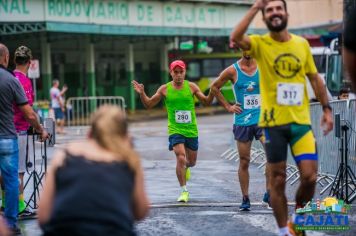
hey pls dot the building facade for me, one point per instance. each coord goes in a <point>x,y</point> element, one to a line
<point>310,13</point>
<point>97,47</point>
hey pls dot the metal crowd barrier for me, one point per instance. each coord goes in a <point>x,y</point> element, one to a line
<point>352,133</point>
<point>258,155</point>
<point>352,141</point>
<point>328,146</point>
<point>231,152</point>
<point>79,109</point>
<point>257,152</point>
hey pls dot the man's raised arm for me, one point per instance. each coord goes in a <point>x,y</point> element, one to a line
<point>238,35</point>
<point>148,102</point>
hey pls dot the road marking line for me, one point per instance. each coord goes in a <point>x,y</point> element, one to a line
<point>208,204</point>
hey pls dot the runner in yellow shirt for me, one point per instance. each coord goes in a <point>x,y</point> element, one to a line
<point>284,61</point>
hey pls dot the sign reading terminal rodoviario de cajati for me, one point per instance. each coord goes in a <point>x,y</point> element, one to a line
<point>127,13</point>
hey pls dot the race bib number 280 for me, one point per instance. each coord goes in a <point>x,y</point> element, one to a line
<point>290,94</point>
<point>183,117</point>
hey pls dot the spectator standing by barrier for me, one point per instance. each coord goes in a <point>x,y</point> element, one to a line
<point>112,194</point>
<point>244,77</point>
<point>284,60</point>
<point>182,125</point>
<point>57,104</point>
<point>22,58</point>
<point>343,94</point>
<point>11,92</point>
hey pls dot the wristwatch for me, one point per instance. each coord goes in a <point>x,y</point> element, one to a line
<point>327,106</point>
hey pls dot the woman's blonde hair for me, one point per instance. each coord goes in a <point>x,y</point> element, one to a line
<point>109,129</point>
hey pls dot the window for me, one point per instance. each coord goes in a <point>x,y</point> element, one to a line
<point>229,61</point>
<point>108,68</point>
<point>334,75</point>
<point>320,62</point>
<point>154,73</point>
<point>193,70</point>
<point>122,80</point>
<point>212,67</point>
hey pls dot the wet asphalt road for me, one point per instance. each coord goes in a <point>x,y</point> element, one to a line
<point>214,190</point>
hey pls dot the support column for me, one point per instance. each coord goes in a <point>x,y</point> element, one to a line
<point>130,74</point>
<point>90,66</point>
<point>61,74</point>
<point>164,63</point>
<point>46,66</point>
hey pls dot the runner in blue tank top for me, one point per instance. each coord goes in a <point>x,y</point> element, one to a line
<point>244,77</point>
<point>247,94</point>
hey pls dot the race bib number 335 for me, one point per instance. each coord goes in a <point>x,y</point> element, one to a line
<point>183,117</point>
<point>251,101</point>
<point>290,94</point>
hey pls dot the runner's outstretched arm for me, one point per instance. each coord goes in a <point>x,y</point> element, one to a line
<point>228,74</point>
<point>320,92</point>
<point>148,102</point>
<point>205,100</point>
<point>238,35</point>
<point>64,90</point>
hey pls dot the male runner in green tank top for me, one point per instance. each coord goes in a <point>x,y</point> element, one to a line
<point>178,96</point>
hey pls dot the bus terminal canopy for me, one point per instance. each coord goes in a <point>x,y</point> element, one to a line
<point>119,17</point>
<point>124,17</point>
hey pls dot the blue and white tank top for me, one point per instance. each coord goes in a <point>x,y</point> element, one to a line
<point>247,93</point>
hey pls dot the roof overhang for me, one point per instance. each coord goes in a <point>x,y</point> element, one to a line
<point>11,28</point>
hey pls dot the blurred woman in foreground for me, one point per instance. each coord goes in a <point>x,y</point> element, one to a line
<point>95,187</point>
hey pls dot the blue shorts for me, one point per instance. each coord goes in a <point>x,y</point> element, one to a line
<point>191,143</point>
<point>58,113</point>
<point>247,133</point>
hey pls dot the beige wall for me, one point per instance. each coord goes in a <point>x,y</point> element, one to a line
<point>304,13</point>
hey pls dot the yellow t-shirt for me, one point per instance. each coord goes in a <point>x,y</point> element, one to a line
<point>283,68</point>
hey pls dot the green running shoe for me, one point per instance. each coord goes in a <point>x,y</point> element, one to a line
<point>187,174</point>
<point>184,197</point>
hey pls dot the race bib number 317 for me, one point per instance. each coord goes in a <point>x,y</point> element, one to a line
<point>290,94</point>
<point>183,117</point>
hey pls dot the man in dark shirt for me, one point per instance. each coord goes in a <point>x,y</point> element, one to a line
<point>11,92</point>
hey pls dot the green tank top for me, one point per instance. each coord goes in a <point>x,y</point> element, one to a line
<point>181,111</point>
